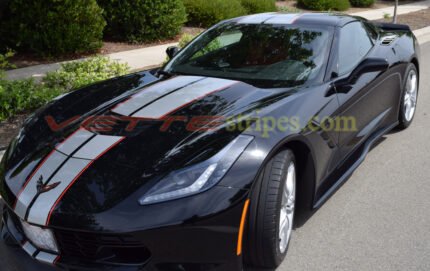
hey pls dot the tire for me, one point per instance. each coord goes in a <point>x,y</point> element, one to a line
<point>264,248</point>
<point>409,95</point>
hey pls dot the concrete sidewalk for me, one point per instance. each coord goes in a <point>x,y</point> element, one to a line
<point>137,59</point>
<point>377,14</point>
<point>140,59</point>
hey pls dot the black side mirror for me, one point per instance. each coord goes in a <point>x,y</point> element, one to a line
<point>366,66</point>
<point>172,51</point>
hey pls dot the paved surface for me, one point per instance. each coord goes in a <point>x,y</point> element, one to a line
<point>378,220</point>
<point>376,14</point>
<point>145,58</point>
<point>137,60</point>
<point>423,35</point>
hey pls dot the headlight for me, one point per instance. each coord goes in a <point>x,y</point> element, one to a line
<point>41,238</point>
<point>199,177</point>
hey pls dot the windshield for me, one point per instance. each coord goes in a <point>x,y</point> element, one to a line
<point>259,54</point>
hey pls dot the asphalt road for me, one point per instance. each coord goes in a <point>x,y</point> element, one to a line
<point>378,220</point>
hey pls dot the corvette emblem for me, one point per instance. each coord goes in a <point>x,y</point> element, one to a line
<point>42,188</point>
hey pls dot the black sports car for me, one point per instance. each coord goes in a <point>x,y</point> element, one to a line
<point>201,164</point>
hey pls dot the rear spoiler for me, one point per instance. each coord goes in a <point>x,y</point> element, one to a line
<point>393,27</point>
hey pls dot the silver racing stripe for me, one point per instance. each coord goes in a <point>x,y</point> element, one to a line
<point>66,176</point>
<point>256,18</point>
<point>29,248</point>
<point>283,19</point>
<point>182,97</point>
<point>29,190</point>
<point>153,92</point>
<point>46,257</point>
<point>97,146</point>
<point>74,141</point>
<point>68,173</point>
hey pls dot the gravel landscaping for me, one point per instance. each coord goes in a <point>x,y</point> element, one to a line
<point>416,20</point>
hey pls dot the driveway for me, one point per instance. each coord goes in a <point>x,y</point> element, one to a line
<point>378,220</point>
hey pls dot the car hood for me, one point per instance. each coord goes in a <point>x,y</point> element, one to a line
<point>90,150</point>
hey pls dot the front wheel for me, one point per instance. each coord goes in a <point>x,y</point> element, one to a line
<point>272,212</point>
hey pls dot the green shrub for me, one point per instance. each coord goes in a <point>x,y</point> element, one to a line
<point>185,39</point>
<point>204,13</point>
<point>339,5</point>
<point>26,95</point>
<point>143,20</point>
<point>4,62</point>
<point>53,27</point>
<point>23,96</point>
<point>287,9</point>
<point>258,6</point>
<point>76,74</point>
<point>362,3</point>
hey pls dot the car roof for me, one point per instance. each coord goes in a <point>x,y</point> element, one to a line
<point>330,19</point>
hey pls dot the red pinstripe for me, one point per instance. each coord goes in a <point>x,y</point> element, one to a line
<point>31,176</point>
<point>198,98</point>
<point>76,178</point>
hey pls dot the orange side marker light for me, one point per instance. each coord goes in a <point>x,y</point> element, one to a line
<point>242,227</point>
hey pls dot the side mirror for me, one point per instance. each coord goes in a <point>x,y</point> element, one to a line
<point>172,51</point>
<point>366,66</point>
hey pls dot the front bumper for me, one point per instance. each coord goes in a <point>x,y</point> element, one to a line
<point>207,243</point>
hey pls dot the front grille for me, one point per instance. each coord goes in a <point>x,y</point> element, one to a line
<point>110,248</point>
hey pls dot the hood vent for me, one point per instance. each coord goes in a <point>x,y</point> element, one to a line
<point>387,40</point>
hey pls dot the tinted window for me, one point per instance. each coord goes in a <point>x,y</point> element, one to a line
<point>263,55</point>
<point>354,44</point>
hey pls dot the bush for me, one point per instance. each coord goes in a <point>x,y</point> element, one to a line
<point>142,20</point>
<point>185,39</point>
<point>53,27</point>
<point>362,3</point>
<point>258,6</point>
<point>286,9</point>
<point>25,95</point>
<point>4,62</point>
<point>339,5</point>
<point>76,74</point>
<point>204,13</point>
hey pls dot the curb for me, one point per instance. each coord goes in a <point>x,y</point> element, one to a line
<point>423,35</point>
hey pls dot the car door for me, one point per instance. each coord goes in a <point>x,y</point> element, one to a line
<point>362,102</point>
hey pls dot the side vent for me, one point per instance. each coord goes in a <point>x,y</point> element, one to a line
<point>387,40</point>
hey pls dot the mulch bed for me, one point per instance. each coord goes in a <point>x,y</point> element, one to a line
<point>22,60</point>
<point>378,4</point>
<point>10,128</point>
<point>416,20</point>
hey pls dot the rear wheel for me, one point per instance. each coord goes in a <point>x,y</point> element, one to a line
<point>409,98</point>
<point>272,212</point>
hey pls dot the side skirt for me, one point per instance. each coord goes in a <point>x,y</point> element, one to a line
<point>361,153</point>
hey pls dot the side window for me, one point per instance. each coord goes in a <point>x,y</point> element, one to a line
<point>354,44</point>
